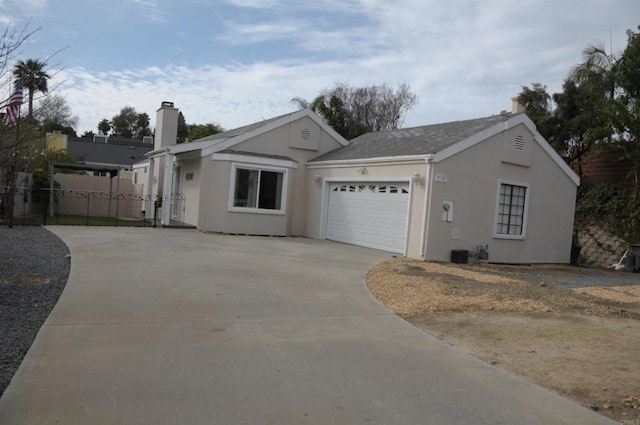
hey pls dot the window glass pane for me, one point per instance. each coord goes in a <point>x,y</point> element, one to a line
<point>246,188</point>
<point>270,190</point>
<point>510,213</point>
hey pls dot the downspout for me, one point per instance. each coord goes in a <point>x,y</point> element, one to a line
<point>426,213</point>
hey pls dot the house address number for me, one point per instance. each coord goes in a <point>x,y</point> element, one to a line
<point>441,178</point>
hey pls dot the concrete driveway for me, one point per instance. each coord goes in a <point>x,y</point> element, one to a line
<point>180,327</point>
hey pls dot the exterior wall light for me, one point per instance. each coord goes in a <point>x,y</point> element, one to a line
<point>417,178</point>
<point>317,178</point>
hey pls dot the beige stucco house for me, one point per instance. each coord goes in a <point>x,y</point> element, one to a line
<point>484,184</point>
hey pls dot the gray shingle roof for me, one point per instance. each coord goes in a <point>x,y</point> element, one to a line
<point>424,140</point>
<point>115,152</point>
<point>241,130</point>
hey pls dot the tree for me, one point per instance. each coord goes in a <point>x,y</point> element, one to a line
<point>14,152</point>
<point>597,65</point>
<point>353,111</point>
<point>626,119</point>
<point>19,150</point>
<point>183,128</point>
<point>142,126</point>
<point>198,131</point>
<point>581,120</point>
<point>88,133</point>
<point>537,105</point>
<point>31,75</point>
<point>54,114</point>
<point>104,127</point>
<point>130,124</point>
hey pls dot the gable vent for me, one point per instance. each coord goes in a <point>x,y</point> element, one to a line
<point>518,143</point>
<point>305,134</point>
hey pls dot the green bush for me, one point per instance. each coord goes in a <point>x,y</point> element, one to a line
<point>617,208</point>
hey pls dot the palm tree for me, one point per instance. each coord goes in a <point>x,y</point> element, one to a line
<point>597,63</point>
<point>31,74</point>
<point>596,76</point>
<point>596,59</point>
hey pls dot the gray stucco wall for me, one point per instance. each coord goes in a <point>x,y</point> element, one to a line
<point>472,185</point>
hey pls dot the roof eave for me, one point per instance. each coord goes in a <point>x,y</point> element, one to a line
<point>157,152</point>
<point>500,127</point>
<point>387,160</point>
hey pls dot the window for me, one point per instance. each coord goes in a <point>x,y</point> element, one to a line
<point>511,214</point>
<point>258,189</point>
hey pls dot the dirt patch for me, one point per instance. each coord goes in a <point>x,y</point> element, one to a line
<point>573,331</point>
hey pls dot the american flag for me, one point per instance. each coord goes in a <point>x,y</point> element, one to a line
<point>12,112</point>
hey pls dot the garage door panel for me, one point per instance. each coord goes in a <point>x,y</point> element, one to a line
<point>372,215</point>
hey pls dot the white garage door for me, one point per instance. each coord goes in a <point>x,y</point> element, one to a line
<point>372,215</point>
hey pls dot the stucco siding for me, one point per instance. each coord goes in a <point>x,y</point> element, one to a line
<point>472,182</point>
<point>214,214</point>
<point>214,193</point>
<point>286,141</point>
<point>277,141</point>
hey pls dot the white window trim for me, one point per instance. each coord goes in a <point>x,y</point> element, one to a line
<point>525,217</point>
<point>232,187</point>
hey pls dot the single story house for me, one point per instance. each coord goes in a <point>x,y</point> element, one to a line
<point>490,184</point>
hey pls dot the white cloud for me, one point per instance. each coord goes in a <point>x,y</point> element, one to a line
<point>238,33</point>
<point>230,95</point>
<point>464,59</point>
<point>255,4</point>
<point>151,10</point>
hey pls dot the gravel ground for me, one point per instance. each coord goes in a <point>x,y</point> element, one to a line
<point>413,288</point>
<point>571,330</point>
<point>34,267</point>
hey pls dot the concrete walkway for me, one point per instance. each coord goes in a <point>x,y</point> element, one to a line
<point>177,327</point>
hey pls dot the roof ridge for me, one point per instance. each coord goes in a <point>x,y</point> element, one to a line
<point>233,132</point>
<point>504,115</point>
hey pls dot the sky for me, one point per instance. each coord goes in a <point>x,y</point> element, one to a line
<point>234,62</point>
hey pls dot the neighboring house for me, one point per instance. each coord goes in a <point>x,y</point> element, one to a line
<point>421,192</point>
<point>107,165</point>
<point>102,151</point>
